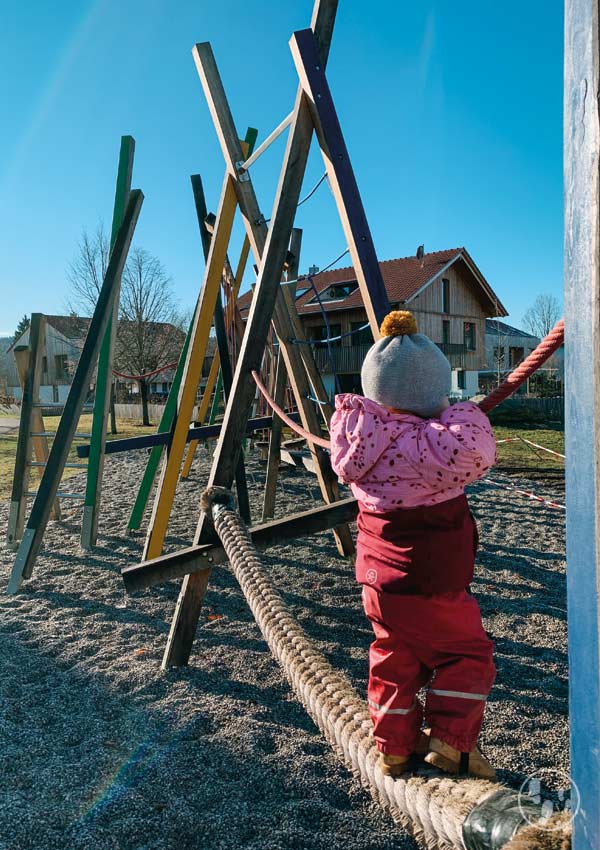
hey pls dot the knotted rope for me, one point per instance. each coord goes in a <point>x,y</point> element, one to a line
<point>433,808</point>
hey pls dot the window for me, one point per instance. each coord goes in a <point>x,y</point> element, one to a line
<point>364,337</point>
<point>515,355</point>
<point>320,333</point>
<point>461,379</point>
<point>469,336</point>
<point>335,292</point>
<point>61,365</point>
<point>45,365</point>
<point>445,332</point>
<point>445,295</point>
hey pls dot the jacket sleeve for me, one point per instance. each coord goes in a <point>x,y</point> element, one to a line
<point>455,449</point>
<point>358,437</point>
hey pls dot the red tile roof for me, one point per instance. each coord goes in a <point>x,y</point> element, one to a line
<point>403,278</point>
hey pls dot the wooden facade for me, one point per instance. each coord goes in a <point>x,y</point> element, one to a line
<point>467,305</point>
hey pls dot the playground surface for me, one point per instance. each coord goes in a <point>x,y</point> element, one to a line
<point>100,749</point>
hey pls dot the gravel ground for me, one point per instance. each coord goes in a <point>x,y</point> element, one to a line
<point>103,751</point>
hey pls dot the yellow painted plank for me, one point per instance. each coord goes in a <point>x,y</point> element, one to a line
<point>203,320</point>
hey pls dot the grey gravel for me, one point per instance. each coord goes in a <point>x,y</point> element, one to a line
<point>103,751</point>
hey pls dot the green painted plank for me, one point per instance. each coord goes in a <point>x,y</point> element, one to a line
<point>50,482</point>
<point>93,490</point>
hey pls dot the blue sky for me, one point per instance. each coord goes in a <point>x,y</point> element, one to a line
<point>452,113</point>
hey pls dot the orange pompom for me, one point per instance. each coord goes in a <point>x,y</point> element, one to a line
<point>399,323</point>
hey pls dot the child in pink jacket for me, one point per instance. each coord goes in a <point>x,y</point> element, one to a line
<point>407,456</point>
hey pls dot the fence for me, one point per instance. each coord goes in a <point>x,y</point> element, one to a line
<point>134,411</point>
<point>534,409</point>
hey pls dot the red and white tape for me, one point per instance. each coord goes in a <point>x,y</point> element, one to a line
<point>543,448</point>
<point>527,493</point>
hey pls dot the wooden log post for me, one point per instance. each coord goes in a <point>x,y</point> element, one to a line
<point>95,470</point>
<point>582,408</point>
<point>341,177</point>
<point>39,438</point>
<point>270,249</point>
<point>48,488</point>
<point>203,320</point>
<point>30,382</point>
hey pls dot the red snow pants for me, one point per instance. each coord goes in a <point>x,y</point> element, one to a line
<point>436,641</point>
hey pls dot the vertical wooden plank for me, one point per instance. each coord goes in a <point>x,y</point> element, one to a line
<point>22,471</point>
<point>270,248</point>
<point>203,320</point>
<point>341,177</point>
<point>95,470</point>
<point>40,444</point>
<point>582,403</point>
<point>46,494</point>
<point>281,378</point>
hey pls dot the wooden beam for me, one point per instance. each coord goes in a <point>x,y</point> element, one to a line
<point>48,488</point>
<point>95,469</point>
<point>39,438</point>
<point>146,441</point>
<point>341,177</point>
<point>27,423</point>
<point>582,408</point>
<point>196,559</point>
<point>203,320</point>
<point>222,342</point>
<point>270,248</point>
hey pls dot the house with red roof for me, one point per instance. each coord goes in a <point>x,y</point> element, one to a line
<point>446,291</point>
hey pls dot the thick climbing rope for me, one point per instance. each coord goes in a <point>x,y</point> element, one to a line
<point>518,376</point>
<point>441,812</point>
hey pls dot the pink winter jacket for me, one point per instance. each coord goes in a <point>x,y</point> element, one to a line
<point>397,460</point>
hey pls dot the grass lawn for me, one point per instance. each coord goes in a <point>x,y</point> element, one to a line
<point>8,448</point>
<point>519,454</point>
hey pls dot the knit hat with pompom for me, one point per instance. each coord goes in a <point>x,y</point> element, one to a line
<point>404,369</point>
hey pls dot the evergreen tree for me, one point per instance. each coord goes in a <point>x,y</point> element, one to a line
<point>21,327</point>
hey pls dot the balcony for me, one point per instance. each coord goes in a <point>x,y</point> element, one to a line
<point>456,353</point>
<point>349,359</point>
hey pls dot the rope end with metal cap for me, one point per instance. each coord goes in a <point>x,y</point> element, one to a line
<point>214,499</point>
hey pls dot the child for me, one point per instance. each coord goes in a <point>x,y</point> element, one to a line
<point>407,456</point>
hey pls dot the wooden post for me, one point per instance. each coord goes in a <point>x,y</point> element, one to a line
<point>95,470</point>
<point>270,248</point>
<point>582,408</point>
<point>203,320</point>
<point>341,177</point>
<point>48,488</point>
<point>28,423</point>
<point>39,440</point>
<point>216,363</point>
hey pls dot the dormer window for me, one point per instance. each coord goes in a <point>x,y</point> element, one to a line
<point>335,292</point>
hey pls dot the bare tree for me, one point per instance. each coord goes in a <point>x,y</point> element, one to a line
<point>149,334</point>
<point>86,272</point>
<point>541,317</point>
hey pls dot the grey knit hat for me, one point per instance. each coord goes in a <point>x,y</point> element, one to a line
<point>405,369</point>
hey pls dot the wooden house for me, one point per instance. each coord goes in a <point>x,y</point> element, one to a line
<point>446,291</point>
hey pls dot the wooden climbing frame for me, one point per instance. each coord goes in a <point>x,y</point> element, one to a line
<point>269,307</point>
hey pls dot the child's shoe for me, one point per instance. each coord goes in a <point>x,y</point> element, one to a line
<point>393,765</point>
<point>451,760</point>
